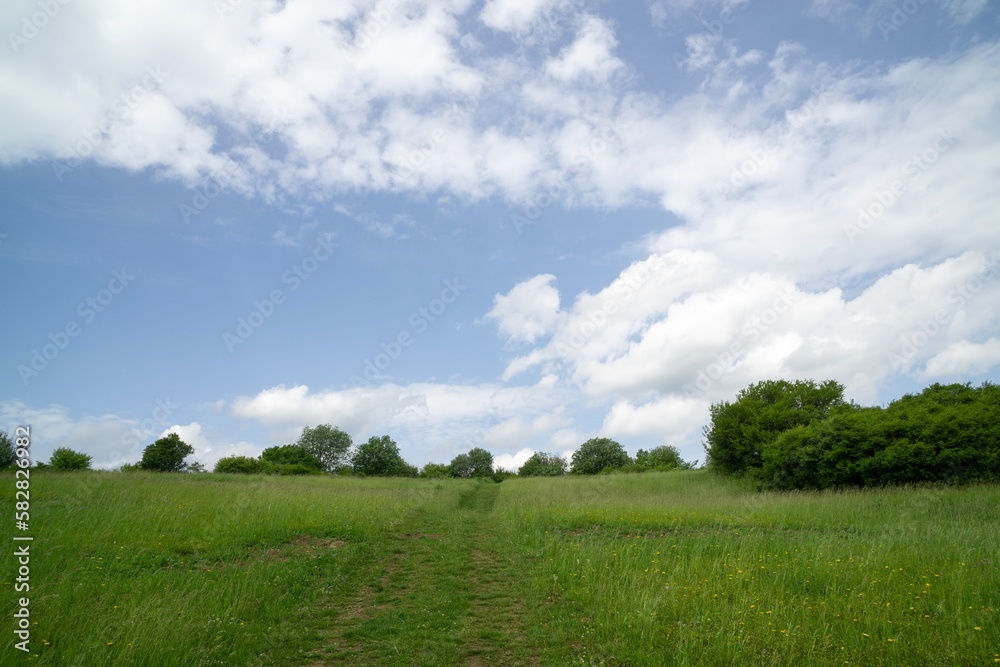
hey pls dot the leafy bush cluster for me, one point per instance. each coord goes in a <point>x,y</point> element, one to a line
<point>803,436</point>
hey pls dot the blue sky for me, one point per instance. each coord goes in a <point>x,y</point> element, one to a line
<point>514,224</point>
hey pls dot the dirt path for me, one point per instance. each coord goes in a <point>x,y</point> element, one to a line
<point>443,592</point>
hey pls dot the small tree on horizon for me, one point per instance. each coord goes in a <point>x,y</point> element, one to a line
<point>542,464</point>
<point>598,454</point>
<point>379,457</point>
<point>330,445</point>
<point>166,454</point>
<point>65,458</point>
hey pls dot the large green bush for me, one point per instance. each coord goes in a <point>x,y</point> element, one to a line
<point>598,455</point>
<point>543,465</point>
<point>65,458</point>
<point>945,433</point>
<point>738,432</point>
<point>244,465</point>
<point>291,455</point>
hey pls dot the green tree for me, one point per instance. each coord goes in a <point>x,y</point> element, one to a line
<point>379,457</point>
<point>435,470</point>
<point>328,444</point>
<point>664,457</point>
<point>476,463</point>
<point>543,465</point>
<point>599,454</point>
<point>166,454</point>
<point>739,432</point>
<point>8,453</point>
<point>291,455</point>
<point>244,465</point>
<point>65,458</point>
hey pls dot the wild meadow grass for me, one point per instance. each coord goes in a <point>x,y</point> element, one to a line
<point>161,569</point>
<point>681,568</point>
<point>687,568</point>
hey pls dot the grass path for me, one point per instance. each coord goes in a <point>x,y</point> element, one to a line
<point>445,592</point>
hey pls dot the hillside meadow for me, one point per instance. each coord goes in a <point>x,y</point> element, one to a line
<point>678,568</point>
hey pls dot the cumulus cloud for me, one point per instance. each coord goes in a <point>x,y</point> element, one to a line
<point>591,55</point>
<point>429,421</point>
<point>528,311</point>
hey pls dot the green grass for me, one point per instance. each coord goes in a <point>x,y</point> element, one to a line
<point>679,568</point>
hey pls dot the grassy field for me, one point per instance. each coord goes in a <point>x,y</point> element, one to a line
<point>678,568</point>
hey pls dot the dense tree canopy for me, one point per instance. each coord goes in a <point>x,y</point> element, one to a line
<point>543,465</point>
<point>328,444</point>
<point>739,431</point>
<point>599,454</point>
<point>945,433</point>
<point>166,454</point>
<point>380,457</point>
<point>476,463</point>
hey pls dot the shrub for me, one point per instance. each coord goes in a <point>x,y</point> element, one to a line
<point>663,457</point>
<point>434,470</point>
<point>166,454</point>
<point>598,454</point>
<point>291,455</point>
<point>543,465</point>
<point>244,465</point>
<point>65,458</point>
<point>500,474</point>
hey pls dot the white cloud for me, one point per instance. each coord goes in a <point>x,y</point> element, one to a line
<point>963,359</point>
<point>590,55</point>
<point>528,311</point>
<point>515,15</point>
<point>513,461</point>
<point>429,421</point>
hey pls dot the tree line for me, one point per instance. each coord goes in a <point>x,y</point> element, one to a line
<point>328,449</point>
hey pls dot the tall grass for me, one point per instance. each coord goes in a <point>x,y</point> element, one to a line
<point>680,568</point>
<point>687,568</point>
<point>161,569</point>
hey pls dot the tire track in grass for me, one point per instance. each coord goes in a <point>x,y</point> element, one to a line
<point>442,593</point>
